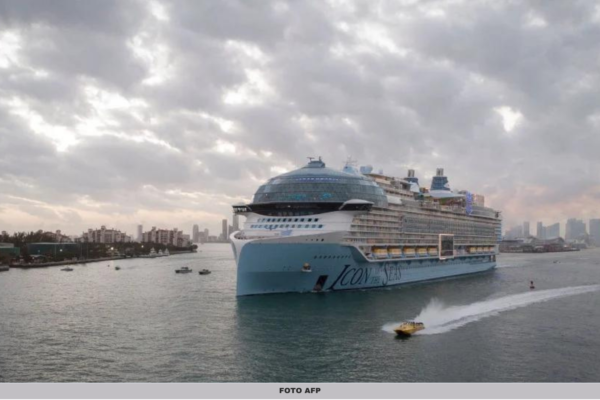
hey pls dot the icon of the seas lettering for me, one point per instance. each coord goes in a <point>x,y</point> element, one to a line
<point>392,274</point>
<point>352,277</point>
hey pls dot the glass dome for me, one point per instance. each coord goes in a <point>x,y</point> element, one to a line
<point>315,183</point>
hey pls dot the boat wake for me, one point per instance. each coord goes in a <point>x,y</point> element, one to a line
<point>439,318</point>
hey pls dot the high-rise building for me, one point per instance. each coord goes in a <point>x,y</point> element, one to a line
<point>526,229</point>
<point>575,229</point>
<point>224,230</point>
<point>541,232</point>
<point>140,233</point>
<point>553,231</point>
<point>195,234</point>
<point>104,235</point>
<point>236,222</point>
<point>514,232</point>
<point>165,236</point>
<point>595,231</point>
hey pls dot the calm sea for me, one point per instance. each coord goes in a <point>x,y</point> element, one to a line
<point>145,323</point>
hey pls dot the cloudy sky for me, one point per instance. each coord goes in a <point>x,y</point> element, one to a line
<point>166,113</point>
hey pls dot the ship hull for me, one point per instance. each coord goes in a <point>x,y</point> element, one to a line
<point>278,268</point>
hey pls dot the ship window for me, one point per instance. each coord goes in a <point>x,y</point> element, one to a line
<point>316,219</point>
<point>295,219</point>
<point>293,226</point>
<point>287,226</point>
<point>320,226</point>
<point>310,219</point>
<point>301,219</point>
<point>313,226</point>
<point>307,226</point>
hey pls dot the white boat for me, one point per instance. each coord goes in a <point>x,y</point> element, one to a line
<point>166,253</point>
<point>152,253</point>
<point>160,253</point>
<point>183,270</point>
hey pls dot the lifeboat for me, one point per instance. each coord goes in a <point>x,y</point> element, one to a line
<point>422,251</point>
<point>432,251</point>
<point>380,252</point>
<point>409,251</point>
<point>394,252</point>
<point>408,328</point>
<point>480,249</point>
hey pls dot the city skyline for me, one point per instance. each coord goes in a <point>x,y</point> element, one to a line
<point>169,118</point>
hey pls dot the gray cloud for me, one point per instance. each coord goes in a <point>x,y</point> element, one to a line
<point>168,112</point>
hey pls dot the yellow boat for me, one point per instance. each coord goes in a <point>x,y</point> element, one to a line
<point>408,328</point>
<point>432,251</point>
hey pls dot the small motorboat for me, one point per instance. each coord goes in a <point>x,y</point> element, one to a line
<point>204,272</point>
<point>67,269</point>
<point>306,268</point>
<point>183,270</point>
<point>117,268</point>
<point>408,328</point>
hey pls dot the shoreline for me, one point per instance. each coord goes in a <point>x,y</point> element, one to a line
<point>87,261</point>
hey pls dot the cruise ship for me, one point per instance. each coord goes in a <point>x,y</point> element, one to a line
<point>319,229</point>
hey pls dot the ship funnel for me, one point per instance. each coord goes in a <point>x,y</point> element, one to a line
<point>440,181</point>
<point>411,177</point>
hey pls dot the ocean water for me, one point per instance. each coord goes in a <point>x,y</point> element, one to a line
<point>145,323</point>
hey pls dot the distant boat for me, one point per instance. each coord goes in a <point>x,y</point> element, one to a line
<point>117,268</point>
<point>160,253</point>
<point>204,272</point>
<point>183,270</point>
<point>152,254</point>
<point>166,253</point>
<point>67,269</point>
<point>4,268</point>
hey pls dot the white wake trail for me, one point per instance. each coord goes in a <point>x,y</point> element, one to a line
<point>439,318</point>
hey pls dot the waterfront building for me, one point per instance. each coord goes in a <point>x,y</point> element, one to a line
<point>553,231</point>
<point>173,237</point>
<point>54,250</point>
<point>140,234</point>
<point>8,251</point>
<point>526,232</point>
<point>595,231</point>
<point>575,229</point>
<point>224,232</point>
<point>317,228</point>
<point>195,234</point>
<point>540,232</point>
<point>104,235</point>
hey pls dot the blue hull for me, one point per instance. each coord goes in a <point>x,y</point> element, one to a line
<point>277,268</point>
